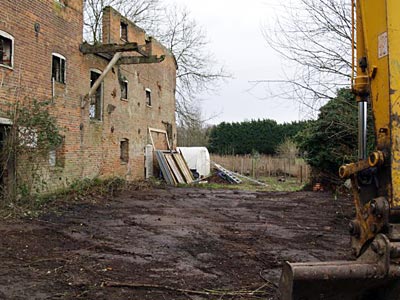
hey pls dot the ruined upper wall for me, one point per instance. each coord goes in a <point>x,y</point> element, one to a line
<point>112,20</point>
<point>111,32</point>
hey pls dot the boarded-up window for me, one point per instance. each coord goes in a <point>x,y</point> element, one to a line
<point>57,156</point>
<point>58,68</point>
<point>124,149</point>
<point>148,97</point>
<point>6,49</point>
<point>124,31</point>
<point>96,101</point>
<point>52,158</point>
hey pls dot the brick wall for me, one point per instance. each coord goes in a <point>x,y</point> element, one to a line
<point>92,147</point>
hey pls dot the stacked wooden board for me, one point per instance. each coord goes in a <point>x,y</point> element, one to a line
<point>229,175</point>
<point>173,167</point>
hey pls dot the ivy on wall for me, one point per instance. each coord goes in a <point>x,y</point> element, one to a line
<point>25,148</point>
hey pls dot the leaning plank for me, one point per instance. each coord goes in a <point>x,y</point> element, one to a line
<point>190,174</point>
<point>183,167</point>
<point>165,169</point>
<point>187,166</point>
<point>174,168</point>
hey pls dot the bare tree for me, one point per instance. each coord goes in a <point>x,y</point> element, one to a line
<point>193,132</point>
<point>314,37</point>
<point>198,71</point>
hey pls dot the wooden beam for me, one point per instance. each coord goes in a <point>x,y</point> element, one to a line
<point>131,60</point>
<point>86,48</point>
<point>106,56</point>
<point>144,50</point>
<point>99,80</point>
<point>151,130</point>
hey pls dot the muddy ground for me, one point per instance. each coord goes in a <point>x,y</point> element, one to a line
<point>141,242</point>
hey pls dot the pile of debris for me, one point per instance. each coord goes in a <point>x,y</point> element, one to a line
<point>227,175</point>
<point>188,165</point>
<point>232,177</point>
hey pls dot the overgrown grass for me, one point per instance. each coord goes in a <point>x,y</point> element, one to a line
<point>273,184</point>
<point>95,190</point>
<point>78,191</point>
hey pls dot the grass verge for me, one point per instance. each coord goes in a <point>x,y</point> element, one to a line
<point>273,184</point>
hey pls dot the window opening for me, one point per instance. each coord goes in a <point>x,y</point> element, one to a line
<point>95,103</point>
<point>6,50</point>
<point>58,68</point>
<point>148,97</point>
<point>52,158</point>
<point>124,31</point>
<point>124,90</point>
<point>124,150</point>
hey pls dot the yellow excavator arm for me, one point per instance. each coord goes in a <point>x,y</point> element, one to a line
<point>375,231</point>
<point>377,186</point>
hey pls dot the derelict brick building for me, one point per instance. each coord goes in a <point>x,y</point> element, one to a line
<point>42,56</point>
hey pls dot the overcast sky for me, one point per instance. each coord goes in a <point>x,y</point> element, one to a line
<point>234,30</point>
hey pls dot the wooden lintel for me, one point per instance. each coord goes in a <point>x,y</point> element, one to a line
<point>130,60</point>
<point>86,48</point>
<point>106,56</point>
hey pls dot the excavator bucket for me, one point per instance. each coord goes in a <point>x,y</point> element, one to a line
<point>369,277</point>
<point>334,280</point>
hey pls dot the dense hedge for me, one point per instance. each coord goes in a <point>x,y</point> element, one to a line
<point>262,136</point>
<point>331,140</point>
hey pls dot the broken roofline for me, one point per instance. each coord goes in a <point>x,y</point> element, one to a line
<point>149,39</point>
<point>107,51</point>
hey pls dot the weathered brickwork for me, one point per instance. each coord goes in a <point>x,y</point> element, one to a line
<point>91,147</point>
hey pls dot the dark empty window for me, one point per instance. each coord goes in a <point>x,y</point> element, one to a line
<point>124,31</point>
<point>148,97</point>
<point>58,68</point>
<point>95,102</point>
<point>124,89</point>
<point>6,50</point>
<point>124,150</point>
